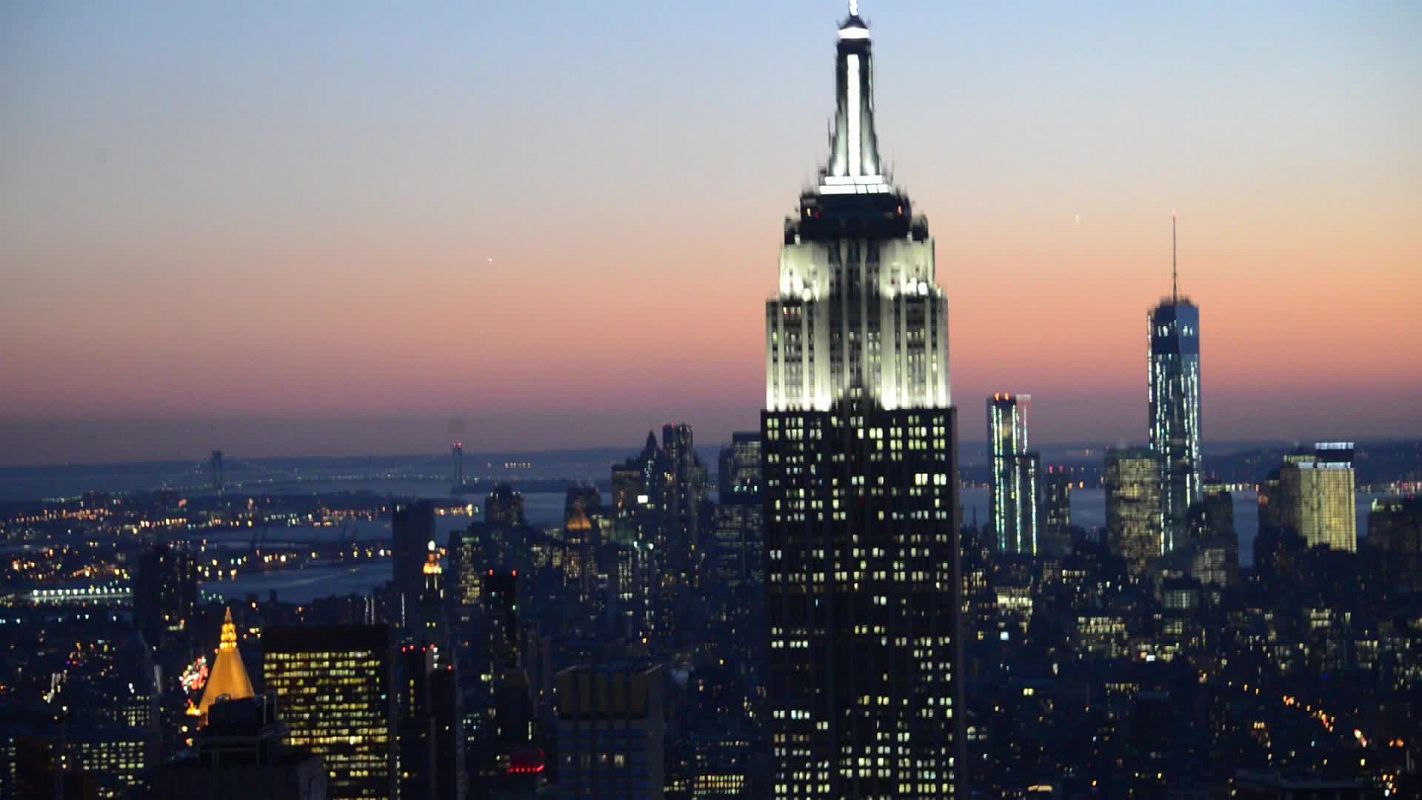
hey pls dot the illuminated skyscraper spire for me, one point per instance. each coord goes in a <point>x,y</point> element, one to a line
<point>1174,367</point>
<point>855,150</point>
<point>860,482</point>
<point>229,675</point>
<point>1174,270</point>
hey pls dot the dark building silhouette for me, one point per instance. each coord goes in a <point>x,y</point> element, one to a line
<point>412,527</point>
<point>504,506</point>
<point>165,594</point>
<point>241,754</point>
<point>1395,536</point>
<point>611,733</point>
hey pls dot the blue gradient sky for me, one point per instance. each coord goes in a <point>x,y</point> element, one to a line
<point>246,218</point>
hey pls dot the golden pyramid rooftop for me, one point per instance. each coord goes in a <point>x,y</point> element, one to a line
<point>228,676</point>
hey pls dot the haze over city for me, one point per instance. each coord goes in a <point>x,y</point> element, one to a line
<point>284,231</point>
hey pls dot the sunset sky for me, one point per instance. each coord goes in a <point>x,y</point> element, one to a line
<point>282,230</point>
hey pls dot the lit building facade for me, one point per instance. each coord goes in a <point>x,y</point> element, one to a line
<point>1320,496</point>
<point>1134,524</point>
<point>860,483</point>
<point>1175,411</point>
<point>334,689</point>
<point>1015,497</point>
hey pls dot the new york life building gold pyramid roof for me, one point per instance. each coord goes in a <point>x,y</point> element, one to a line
<point>228,676</point>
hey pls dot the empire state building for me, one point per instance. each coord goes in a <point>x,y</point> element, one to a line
<point>861,482</point>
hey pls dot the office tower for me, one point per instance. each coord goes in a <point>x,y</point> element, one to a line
<point>242,755</point>
<point>1015,500</point>
<point>412,527</point>
<point>468,560</point>
<point>581,537</point>
<point>583,497</point>
<point>1056,506</point>
<point>1319,496</point>
<point>164,594</point>
<point>1134,527</point>
<point>738,468</point>
<point>1174,336</point>
<point>688,477</point>
<point>429,726</point>
<point>1395,535</point>
<point>501,612</point>
<point>430,722</point>
<point>610,733</point>
<point>215,470</point>
<point>739,535</point>
<point>334,689</point>
<point>860,482</point>
<point>432,624</point>
<point>109,734</point>
<point>504,506</point>
<point>659,498</point>
<point>228,677</point>
<point>457,454</point>
<point>1216,544</point>
<point>501,703</point>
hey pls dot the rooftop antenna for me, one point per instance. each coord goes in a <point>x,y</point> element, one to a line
<point>1174,274</point>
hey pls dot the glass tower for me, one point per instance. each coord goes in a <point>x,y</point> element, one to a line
<point>860,482</point>
<point>1175,411</point>
<point>1015,499</point>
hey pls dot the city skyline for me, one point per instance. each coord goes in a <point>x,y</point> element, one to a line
<point>495,586</point>
<point>309,271</point>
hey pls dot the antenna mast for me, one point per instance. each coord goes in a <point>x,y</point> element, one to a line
<point>1174,274</point>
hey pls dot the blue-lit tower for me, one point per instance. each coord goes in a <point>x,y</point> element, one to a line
<point>1175,405</point>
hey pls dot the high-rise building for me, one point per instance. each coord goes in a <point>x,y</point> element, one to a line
<point>860,483</point>
<point>1015,498</point>
<point>1395,534</point>
<point>504,506</point>
<point>659,498</point>
<point>334,689</point>
<point>164,594</point>
<point>429,724</point>
<point>738,469</point>
<point>736,557</point>
<point>412,527</point>
<point>1056,502</point>
<point>1216,544</point>
<point>242,755</point>
<point>1174,336</point>
<point>1134,527</point>
<point>611,733</point>
<point>1319,496</point>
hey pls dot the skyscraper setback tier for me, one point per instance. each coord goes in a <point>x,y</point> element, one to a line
<point>860,498</point>
<point>1175,411</point>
